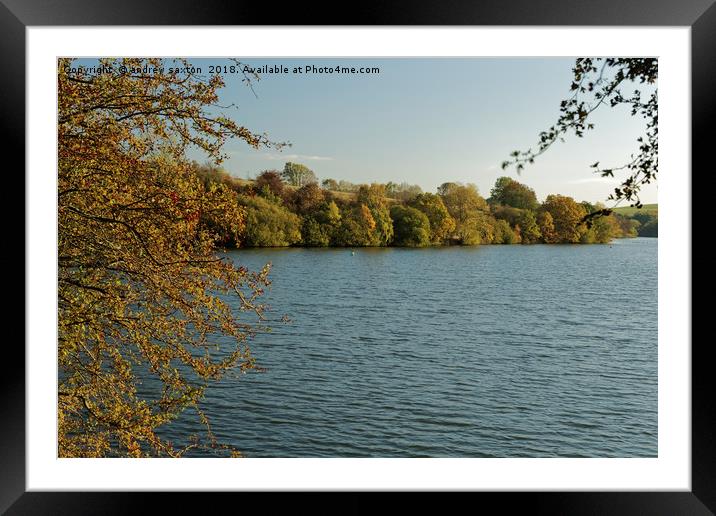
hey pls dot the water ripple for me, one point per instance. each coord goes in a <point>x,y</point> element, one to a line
<point>499,351</point>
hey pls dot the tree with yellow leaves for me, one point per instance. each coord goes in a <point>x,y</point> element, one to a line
<point>142,290</point>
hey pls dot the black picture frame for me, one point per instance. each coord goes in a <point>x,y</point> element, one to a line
<point>700,15</point>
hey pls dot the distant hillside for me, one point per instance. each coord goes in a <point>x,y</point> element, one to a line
<point>628,211</point>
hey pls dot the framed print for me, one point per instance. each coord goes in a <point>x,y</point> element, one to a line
<point>414,253</point>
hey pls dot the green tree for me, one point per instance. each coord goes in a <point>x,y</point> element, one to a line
<point>504,234</point>
<point>508,213</point>
<point>484,226</point>
<point>315,234</point>
<point>391,189</point>
<point>298,175</point>
<point>529,228</point>
<point>649,223</point>
<point>269,224</point>
<point>320,227</point>
<point>649,228</point>
<point>329,214</point>
<point>509,192</point>
<point>140,283</point>
<point>605,229</point>
<point>411,226</point>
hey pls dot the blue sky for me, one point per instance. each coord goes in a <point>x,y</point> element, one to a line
<point>425,121</point>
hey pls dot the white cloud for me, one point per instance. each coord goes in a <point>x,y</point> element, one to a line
<point>296,157</point>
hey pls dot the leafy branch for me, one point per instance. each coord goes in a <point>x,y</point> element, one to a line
<point>598,82</point>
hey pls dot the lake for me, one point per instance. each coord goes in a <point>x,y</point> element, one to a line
<point>487,351</point>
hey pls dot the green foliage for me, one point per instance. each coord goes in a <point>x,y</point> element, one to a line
<point>504,233</point>
<point>411,227</point>
<point>649,229</point>
<point>630,211</point>
<point>508,213</point>
<point>329,214</point>
<point>509,192</point>
<point>319,229</point>
<point>315,234</point>
<point>268,224</point>
<point>529,228</point>
<point>602,231</point>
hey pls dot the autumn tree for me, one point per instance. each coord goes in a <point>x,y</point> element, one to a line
<point>546,227</point>
<point>628,227</point>
<point>270,179</point>
<point>298,175</point>
<point>470,212</point>
<point>307,198</point>
<point>373,197</point>
<point>141,288</point>
<point>566,216</point>
<point>441,223</point>
<point>357,227</point>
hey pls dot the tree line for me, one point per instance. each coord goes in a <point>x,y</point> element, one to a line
<point>290,208</point>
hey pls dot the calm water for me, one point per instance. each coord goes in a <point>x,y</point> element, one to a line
<point>494,351</point>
